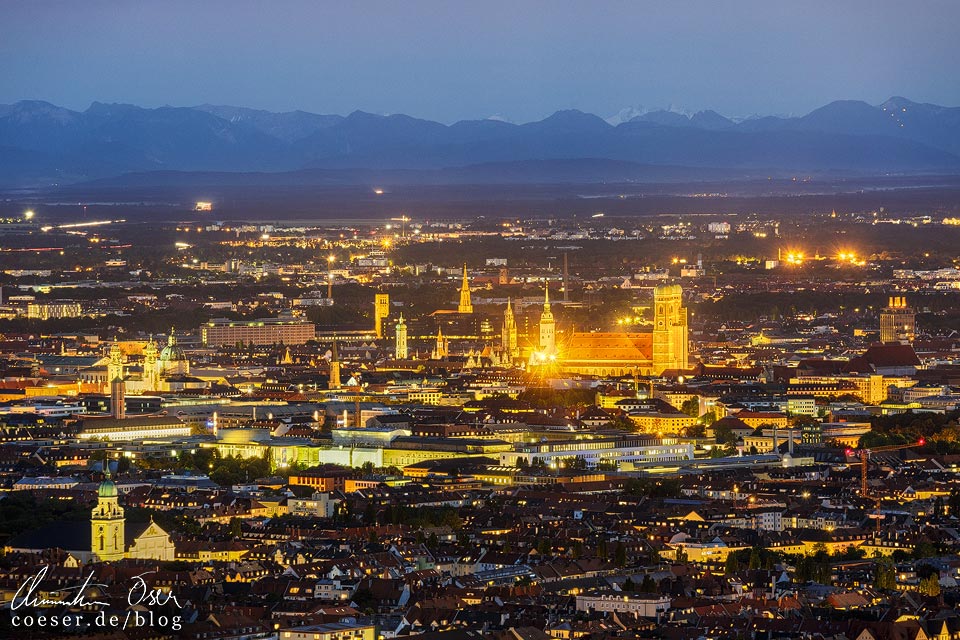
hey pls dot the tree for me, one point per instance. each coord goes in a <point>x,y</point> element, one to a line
<point>691,407</point>
<point>236,528</point>
<point>576,549</point>
<point>681,556</point>
<point>628,585</point>
<point>731,564</point>
<point>724,435</point>
<point>930,586</point>
<point>884,574</point>
<point>648,585</point>
<point>953,502</point>
<point>576,463</point>
<point>924,549</point>
<point>369,514</point>
<point>756,560</point>
<point>620,555</point>
<point>696,431</point>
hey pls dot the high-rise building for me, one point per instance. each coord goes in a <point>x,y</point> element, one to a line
<point>669,329</point>
<point>897,322</point>
<point>401,351</point>
<point>548,327</point>
<point>508,333</point>
<point>381,309</point>
<point>465,306</point>
<point>221,332</point>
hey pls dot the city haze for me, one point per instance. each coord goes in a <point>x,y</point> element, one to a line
<point>446,63</point>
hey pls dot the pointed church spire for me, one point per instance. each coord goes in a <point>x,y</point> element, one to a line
<point>466,305</point>
<point>334,381</point>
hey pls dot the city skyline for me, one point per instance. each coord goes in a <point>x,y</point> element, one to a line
<point>602,372</point>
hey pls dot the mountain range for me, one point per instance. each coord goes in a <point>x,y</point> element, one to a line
<point>43,144</point>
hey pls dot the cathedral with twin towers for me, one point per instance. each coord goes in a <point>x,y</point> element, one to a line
<point>543,342</point>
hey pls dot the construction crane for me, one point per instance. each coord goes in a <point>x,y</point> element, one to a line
<point>864,455</point>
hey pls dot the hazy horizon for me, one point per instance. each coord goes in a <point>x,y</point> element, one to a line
<point>637,109</point>
<point>517,61</point>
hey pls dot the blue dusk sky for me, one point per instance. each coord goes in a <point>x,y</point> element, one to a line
<point>446,60</point>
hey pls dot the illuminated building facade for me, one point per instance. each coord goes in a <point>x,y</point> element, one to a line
<point>897,322</point>
<point>53,310</point>
<point>669,329</point>
<point>508,333</point>
<point>222,332</point>
<point>634,353</point>
<point>466,305</point>
<point>548,327</point>
<point>401,352</point>
<point>381,310</point>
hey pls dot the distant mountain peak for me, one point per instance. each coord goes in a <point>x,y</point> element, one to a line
<point>41,142</point>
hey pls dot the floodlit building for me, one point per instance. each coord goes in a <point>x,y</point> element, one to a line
<point>897,321</point>
<point>223,332</point>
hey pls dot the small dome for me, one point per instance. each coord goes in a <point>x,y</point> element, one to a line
<point>107,489</point>
<point>172,352</point>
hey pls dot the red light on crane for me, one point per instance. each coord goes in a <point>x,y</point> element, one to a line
<point>922,441</point>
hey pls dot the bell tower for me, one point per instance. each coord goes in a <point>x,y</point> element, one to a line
<point>334,381</point>
<point>508,334</point>
<point>400,350</point>
<point>107,523</point>
<point>151,373</point>
<point>548,327</point>
<point>115,365</point>
<point>466,305</point>
<point>669,329</point>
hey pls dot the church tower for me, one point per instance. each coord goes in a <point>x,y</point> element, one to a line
<point>118,399</point>
<point>465,306</point>
<point>442,348</point>
<point>381,309</point>
<point>115,366</point>
<point>669,329</point>
<point>508,333</point>
<point>107,523</point>
<point>400,350</point>
<point>548,328</point>
<point>334,380</point>
<point>151,372</point>
<point>173,361</point>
